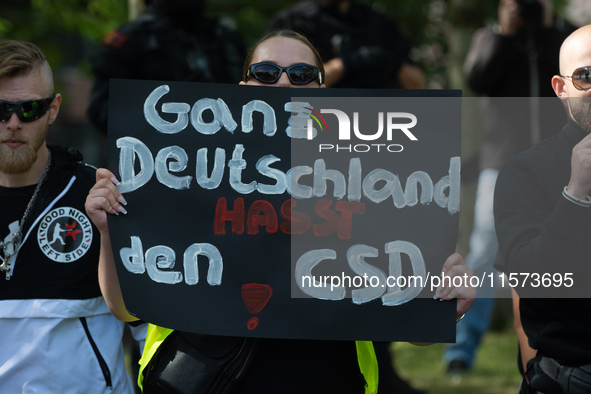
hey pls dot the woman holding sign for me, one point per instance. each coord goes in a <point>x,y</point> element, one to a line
<point>178,362</point>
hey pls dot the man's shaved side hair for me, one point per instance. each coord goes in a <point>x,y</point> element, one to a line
<point>19,58</point>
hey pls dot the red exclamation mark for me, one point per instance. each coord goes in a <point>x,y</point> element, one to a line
<point>255,297</point>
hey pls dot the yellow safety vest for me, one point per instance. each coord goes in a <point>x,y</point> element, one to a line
<point>366,357</point>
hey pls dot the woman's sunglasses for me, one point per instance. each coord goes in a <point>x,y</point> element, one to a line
<point>298,74</point>
<point>581,78</point>
<point>27,111</point>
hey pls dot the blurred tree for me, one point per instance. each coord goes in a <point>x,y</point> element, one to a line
<point>90,18</point>
<point>63,28</point>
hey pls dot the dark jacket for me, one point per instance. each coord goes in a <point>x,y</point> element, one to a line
<point>153,48</point>
<point>369,43</point>
<point>541,232</point>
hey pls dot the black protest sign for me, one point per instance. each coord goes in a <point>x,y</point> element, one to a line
<point>286,213</point>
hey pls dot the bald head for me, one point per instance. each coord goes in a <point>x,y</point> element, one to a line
<point>575,50</point>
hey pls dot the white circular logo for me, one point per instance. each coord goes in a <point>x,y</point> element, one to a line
<point>65,235</point>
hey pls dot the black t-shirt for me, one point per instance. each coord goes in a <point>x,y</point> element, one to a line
<point>58,258</point>
<point>304,366</point>
<point>17,198</point>
<point>541,232</point>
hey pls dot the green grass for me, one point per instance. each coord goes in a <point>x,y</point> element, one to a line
<point>495,370</point>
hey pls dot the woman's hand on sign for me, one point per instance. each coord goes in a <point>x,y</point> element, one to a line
<point>104,198</point>
<point>455,267</point>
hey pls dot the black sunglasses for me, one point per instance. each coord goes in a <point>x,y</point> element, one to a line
<point>581,78</point>
<point>298,74</point>
<point>27,111</point>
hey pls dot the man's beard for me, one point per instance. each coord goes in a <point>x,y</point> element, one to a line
<point>580,108</point>
<point>21,159</point>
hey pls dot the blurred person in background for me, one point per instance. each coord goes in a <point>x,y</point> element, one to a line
<point>171,41</point>
<point>360,47</point>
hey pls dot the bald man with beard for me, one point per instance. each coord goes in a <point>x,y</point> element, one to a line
<point>543,223</point>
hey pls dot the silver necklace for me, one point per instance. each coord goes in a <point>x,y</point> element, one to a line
<point>16,237</point>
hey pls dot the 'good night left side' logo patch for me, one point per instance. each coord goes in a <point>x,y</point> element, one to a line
<point>64,235</point>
